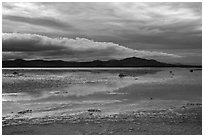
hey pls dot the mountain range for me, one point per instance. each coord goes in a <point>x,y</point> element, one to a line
<point>127,62</point>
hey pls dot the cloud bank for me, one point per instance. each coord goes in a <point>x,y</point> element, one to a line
<point>34,46</point>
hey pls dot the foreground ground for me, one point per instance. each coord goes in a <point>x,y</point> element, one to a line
<point>184,120</point>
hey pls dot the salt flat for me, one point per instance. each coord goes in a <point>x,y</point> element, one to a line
<point>50,94</point>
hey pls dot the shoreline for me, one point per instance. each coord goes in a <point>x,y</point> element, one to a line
<point>180,120</point>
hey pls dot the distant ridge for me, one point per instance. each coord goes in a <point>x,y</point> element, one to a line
<point>127,62</point>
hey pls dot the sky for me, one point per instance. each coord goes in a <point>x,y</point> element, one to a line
<point>77,31</point>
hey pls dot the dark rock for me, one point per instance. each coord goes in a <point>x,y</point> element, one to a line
<point>15,73</point>
<point>170,71</point>
<point>121,75</point>
<point>94,110</point>
<point>191,70</point>
<point>25,111</point>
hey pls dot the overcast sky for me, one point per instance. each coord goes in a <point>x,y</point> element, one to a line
<point>168,32</point>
